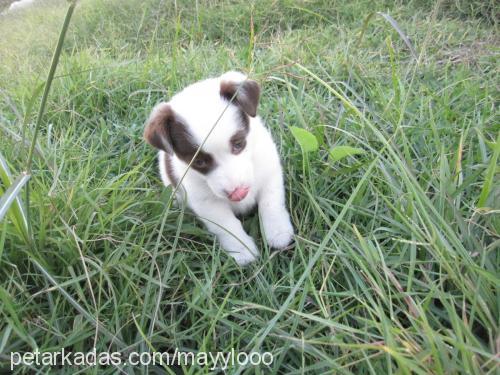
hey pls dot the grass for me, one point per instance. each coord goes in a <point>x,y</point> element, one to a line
<point>395,265</point>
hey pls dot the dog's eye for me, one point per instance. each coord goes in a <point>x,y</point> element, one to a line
<point>200,163</point>
<point>238,146</point>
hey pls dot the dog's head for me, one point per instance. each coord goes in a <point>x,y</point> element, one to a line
<point>181,125</point>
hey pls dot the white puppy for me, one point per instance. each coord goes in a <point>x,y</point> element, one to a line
<point>236,168</point>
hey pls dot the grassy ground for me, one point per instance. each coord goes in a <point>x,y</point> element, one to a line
<point>395,266</point>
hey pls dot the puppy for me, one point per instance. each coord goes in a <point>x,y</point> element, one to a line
<point>236,168</point>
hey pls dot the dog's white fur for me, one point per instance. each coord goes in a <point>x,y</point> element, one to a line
<point>20,4</point>
<point>258,167</point>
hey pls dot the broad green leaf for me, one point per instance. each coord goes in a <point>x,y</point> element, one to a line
<point>306,140</point>
<point>340,152</point>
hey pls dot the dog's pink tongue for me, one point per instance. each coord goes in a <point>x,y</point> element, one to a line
<point>238,194</point>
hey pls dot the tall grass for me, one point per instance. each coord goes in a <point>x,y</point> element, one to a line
<point>387,130</point>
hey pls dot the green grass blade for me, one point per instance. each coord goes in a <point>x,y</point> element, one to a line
<point>10,311</point>
<point>401,33</point>
<point>11,194</point>
<point>112,337</point>
<point>17,213</point>
<point>490,175</point>
<point>48,83</point>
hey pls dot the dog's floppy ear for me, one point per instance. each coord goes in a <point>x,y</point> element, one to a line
<point>247,93</point>
<point>157,131</point>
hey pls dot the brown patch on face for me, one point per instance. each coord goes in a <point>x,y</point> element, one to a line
<point>204,162</point>
<point>157,128</point>
<point>166,131</point>
<point>170,169</point>
<point>244,120</point>
<point>247,95</point>
<point>238,141</point>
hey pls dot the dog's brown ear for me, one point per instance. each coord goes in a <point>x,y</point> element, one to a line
<point>247,94</point>
<point>157,132</point>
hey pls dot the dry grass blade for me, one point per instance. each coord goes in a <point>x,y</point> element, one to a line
<point>401,33</point>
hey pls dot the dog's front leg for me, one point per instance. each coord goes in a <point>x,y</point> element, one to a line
<point>221,221</point>
<point>275,218</point>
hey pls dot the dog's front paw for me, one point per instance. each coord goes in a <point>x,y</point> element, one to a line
<point>244,252</point>
<point>279,233</point>
<point>244,258</point>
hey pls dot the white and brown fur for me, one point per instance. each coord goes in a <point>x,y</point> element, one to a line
<point>236,169</point>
